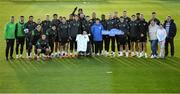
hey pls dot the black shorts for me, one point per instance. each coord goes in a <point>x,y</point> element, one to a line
<point>43,50</point>
<point>134,39</point>
<point>122,40</point>
<point>63,41</point>
<point>143,39</point>
<point>105,37</point>
<point>56,39</point>
<point>34,42</point>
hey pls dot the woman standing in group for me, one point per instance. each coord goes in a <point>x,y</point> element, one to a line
<point>153,27</point>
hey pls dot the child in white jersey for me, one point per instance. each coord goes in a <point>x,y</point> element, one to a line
<point>82,41</point>
<point>161,35</point>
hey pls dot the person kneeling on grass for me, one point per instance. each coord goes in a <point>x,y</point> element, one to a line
<point>161,35</point>
<point>82,43</point>
<point>43,47</point>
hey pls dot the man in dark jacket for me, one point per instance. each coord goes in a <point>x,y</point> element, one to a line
<point>143,29</point>
<point>134,34</point>
<point>105,36</point>
<point>111,25</point>
<point>171,30</point>
<point>51,34</point>
<point>63,37</point>
<point>56,22</point>
<point>36,35</point>
<point>73,30</point>
<point>122,36</point>
<point>29,28</point>
<point>46,24</point>
<point>127,20</point>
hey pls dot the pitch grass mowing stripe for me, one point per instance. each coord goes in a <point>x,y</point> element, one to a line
<point>125,63</point>
<point>133,60</point>
<point>98,57</point>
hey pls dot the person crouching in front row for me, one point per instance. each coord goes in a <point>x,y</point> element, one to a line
<point>43,47</point>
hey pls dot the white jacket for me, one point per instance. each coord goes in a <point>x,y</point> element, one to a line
<point>153,32</point>
<point>161,34</point>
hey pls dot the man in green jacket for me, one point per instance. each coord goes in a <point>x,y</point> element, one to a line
<point>20,37</point>
<point>10,37</point>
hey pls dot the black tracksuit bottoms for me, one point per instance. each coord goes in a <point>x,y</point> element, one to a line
<point>98,46</point>
<point>20,42</point>
<point>171,42</point>
<point>9,46</point>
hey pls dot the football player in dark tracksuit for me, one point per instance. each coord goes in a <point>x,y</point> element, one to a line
<point>51,34</point>
<point>20,37</point>
<point>29,27</point>
<point>36,35</point>
<point>56,22</point>
<point>122,38</point>
<point>71,18</point>
<point>105,36</point>
<point>117,20</point>
<point>43,47</point>
<point>63,37</point>
<point>134,34</point>
<point>87,28</point>
<point>46,24</point>
<point>137,42</point>
<point>143,29</point>
<point>74,29</point>
<point>111,25</point>
<point>127,20</point>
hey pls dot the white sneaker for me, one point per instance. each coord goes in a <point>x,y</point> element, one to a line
<point>127,54</point>
<point>132,54</point>
<point>75,53</point>
<point>137,54</point>
<point>17,56</point>
<point>43,55</point>
<point>152,56</point>
<point>155,56</point>
<point>121,54</point>
<point>145,55</point>
<point>20,56</point>
<point>140,55</point>
<point>27,55</point>
<point>97,54</point>
<point>106,53</point>
<point>70,54</point>
<point>66,54</point>
<point>113,54</point>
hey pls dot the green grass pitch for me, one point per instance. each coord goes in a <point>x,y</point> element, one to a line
<point>96,74</point>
